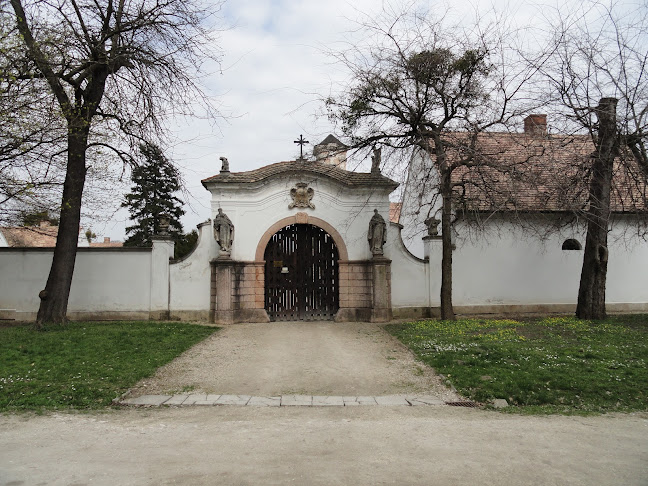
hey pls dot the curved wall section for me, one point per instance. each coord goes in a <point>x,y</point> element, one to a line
<point>409,284</point>
<point>189,284</point>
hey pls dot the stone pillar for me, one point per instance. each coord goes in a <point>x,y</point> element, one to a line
<point>161,253</point>
<point>237,292</point>
<point>222,305</point>
<point>381,309</point>
<point>355,291</point>
<point>433,253</point>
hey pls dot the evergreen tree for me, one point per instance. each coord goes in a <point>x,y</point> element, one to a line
<point>152,198</point>
<point>185,244</point>
<point>34,218</point>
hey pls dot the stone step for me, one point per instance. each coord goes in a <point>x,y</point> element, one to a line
<point>188,399</point>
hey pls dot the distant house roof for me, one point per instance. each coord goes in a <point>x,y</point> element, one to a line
<point>106,243</point>
<point>540,172</point>
<point>353,179</point>
<point>536,171</point>
<point>43,235</point>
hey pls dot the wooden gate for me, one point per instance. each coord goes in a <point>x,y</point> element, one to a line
<point>301,274</point>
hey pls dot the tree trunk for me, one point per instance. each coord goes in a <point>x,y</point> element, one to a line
<point>54,298</point>
<point>447,311</point>
<point>591,293</point>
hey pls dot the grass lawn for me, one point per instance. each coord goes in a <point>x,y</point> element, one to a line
<point>551,365</point>
<point>84,365</point>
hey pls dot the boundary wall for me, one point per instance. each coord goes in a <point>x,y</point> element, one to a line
<point>505,272</point>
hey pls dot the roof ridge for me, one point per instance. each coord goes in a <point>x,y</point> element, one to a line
<point>277,168</point>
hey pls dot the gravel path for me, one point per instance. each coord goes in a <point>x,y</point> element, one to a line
<point>298,358</point>
<point>322,446</point>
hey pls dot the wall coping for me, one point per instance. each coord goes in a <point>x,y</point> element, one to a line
<point>402,246</point>
<point>81,249</point>
<point>199,227</point>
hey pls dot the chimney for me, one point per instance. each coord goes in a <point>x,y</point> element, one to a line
<point>106,239</point>
<point>535,125</point>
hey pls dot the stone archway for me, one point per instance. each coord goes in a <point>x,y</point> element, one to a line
<point>301,218</point>
<point>238,287</point>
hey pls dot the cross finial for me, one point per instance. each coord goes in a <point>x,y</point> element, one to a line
<point>301,143</point>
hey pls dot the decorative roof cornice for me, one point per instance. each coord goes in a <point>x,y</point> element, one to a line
<point>350,179</point>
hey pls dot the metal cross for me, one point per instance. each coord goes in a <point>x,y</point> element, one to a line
<point>301,143</point>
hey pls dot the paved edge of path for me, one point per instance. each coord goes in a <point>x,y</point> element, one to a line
<point>188,399</point>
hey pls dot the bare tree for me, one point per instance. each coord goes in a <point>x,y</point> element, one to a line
<point>597,68</point>
<point>423,84</point>
<point>31,134</point>
<point>113,69</point>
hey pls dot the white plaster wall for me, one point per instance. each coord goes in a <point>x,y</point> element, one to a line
<point>23,274</point>
<point>514,268</point>
<point>409,284</point>
<point>115,281</point>
<point>104,280</point>
<point>253,209</point>
<point>509,267</point>
<point>627,278</point>
<point>190,278</point>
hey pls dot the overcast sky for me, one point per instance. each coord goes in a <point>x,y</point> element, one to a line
<point>274,70</point>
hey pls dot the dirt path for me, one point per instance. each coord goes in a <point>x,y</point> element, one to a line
<point>322,446</point>
<point>297,358</point>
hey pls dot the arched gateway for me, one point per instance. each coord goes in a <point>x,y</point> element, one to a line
<point>301,274</point>
<point>297,242</point>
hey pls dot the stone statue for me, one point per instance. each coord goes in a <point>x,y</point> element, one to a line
<point>375,161</point>
<point>223,231</point>
<point>377,234</point>
<point>225,167</point>
<point>432,226</point>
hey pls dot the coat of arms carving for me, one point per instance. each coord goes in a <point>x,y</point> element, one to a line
<point>301,195</point>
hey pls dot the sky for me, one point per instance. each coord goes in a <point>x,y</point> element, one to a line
<point>273,72</point>
<point>275,68</point>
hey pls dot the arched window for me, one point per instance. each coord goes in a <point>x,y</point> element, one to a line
<point>571,244</point>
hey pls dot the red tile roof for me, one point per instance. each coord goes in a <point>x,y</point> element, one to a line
<point>537,172</point>
<point>106,243</point>
<point>42,236</point>
<point>31,236</point>
<point>348,178</point>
